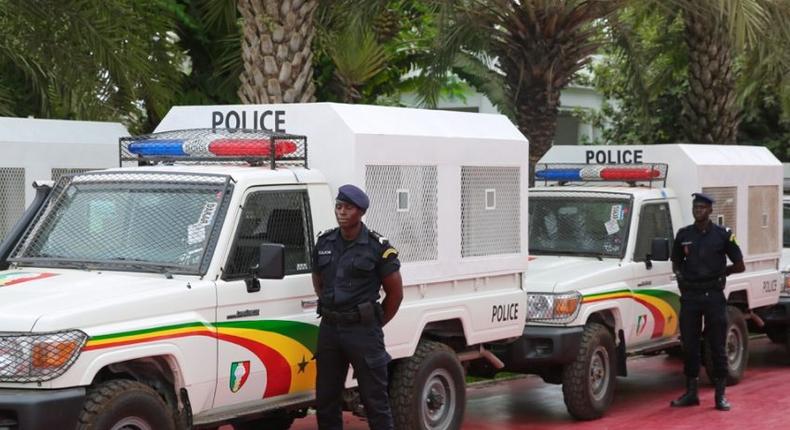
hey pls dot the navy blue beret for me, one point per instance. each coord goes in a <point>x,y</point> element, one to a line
<point>704,198</point>
<point>350,194</point>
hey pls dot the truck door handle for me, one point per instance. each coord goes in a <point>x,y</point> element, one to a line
<point>309,304</point>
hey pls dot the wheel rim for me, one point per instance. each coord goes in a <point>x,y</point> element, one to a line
<point>734,348</point>
<point>438,400</point>
<point>132,423</point>
<point>599,373</point>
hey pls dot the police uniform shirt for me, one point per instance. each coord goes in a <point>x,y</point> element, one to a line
<point>700,253</point>
<point>351,272</point>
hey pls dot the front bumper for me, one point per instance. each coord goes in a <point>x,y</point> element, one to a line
<point>40,409</point>
<point>541,347</point>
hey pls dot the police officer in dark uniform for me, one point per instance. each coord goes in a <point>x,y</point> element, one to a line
<point>350,266</point>
<point>699,262</point>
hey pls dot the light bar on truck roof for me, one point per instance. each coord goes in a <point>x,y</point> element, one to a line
<point>216,145</point>
<point>630,173</point>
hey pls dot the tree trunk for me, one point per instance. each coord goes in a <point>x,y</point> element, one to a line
<point>276,50</point>
<point>536,115</point>
<point>710,112</point>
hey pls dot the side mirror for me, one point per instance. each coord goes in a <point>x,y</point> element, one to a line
<point>271,261</point>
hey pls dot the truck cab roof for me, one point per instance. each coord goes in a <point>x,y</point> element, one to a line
<point>638,193</point>
<point>240,173</point>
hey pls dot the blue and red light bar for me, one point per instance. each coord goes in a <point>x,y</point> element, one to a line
<point>219,147</point>
<point>599,173</point>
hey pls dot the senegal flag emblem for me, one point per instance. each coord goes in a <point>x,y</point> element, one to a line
<point>239,372</point>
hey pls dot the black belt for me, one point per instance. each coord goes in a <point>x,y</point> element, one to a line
<point>350,317</point>
<point>716,283</point>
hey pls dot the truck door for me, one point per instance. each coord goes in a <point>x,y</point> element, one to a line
<point>267,337</point>
<point>654,291</point>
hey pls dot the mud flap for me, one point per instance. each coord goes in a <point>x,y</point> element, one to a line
<point>622,370</point>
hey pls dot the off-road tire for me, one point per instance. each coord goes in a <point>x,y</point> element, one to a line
<point>588,382</point>
<point>113,402</point>
<point>737,336</point>
<point>433,370</point>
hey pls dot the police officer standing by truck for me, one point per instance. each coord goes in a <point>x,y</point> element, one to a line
<point>700,264</point>
<point>350,266</point>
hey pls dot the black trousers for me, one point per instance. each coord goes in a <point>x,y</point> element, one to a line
<point>362,346</point>
<point>711,304</point>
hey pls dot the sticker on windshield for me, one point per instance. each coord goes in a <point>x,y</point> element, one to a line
<point>207,214</point>
<point>616,213</point>
<point>196,233</point>
<point>611,227</point>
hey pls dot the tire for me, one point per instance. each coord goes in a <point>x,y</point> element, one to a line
<point>127,405</point>
<point>737,347</point>
<point>427,390</point>
<point>588,382</point>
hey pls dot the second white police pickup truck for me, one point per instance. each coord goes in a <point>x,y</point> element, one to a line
<point>600,287</point>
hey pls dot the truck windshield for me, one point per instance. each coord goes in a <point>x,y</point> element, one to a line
<point>141,223</point>
<point>578,226</point>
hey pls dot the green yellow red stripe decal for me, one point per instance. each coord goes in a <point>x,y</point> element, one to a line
<point>14,278</point>
<point>664,306</point>
<point>285,348</point>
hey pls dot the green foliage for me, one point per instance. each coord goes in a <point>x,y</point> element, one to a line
<point>399,31</point>
<point>85,59</point>
<point>642,76</point>
<point>209,33</point>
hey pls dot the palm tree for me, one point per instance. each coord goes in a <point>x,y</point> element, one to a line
<point>535,48</point>
<point>729,50</point>
<point>83,59</point>
<point>276,51</point>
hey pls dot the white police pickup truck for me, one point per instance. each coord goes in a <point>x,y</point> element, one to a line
<point>178,294</point>
<point>600,286</point>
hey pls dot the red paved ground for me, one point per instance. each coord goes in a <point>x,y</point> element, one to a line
<point>760,401</point>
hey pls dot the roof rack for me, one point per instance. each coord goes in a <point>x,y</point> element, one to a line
<point>631,174</point>
<point>216,145</point>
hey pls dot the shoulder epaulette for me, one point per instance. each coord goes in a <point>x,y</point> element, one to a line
<point>379,238</point>
<point>326,232</point>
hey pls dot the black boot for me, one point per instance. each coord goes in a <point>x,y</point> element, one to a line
<point>689,398</point>
<point>721,402</point>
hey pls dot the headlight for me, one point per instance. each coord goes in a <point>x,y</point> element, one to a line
<point>556,308</point>
<point>26,357</point>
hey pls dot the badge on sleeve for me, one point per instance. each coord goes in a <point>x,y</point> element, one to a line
<point>388,252</point>
<point>732,239</point>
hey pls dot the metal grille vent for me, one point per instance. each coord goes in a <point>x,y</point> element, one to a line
<point>403,208</point>
<point>726,206</point>
<point>125,222</point>
<point>487,230</point>
<point>272,217</point>
<point>40,357</point>
<point>12,197</point>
